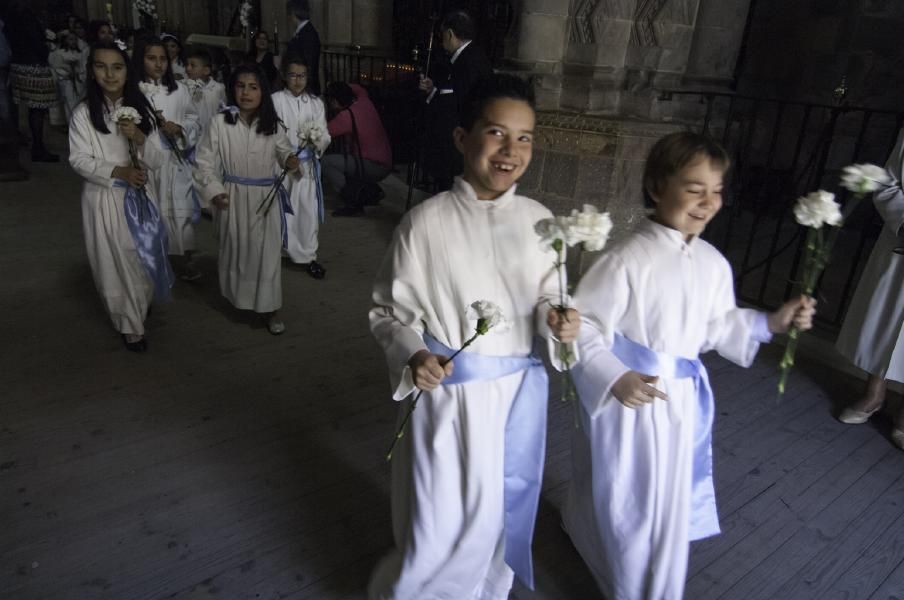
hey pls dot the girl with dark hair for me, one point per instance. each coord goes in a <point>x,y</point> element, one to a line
<point>124,236</point>
<point>234,174</point>
<point>259,54</point>
<point>177,118</point>
<point>176,55</point>
<point>304,117</point>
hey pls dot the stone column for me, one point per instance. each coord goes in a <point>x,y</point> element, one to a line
<point>541,42</point>
<point>718,34</point>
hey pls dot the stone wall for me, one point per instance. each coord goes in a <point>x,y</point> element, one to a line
<point>580,160</point>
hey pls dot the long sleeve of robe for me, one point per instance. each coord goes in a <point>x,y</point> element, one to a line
<point>173,182</point>
<point>447,485</point>
<point>304,225</point>
<point>872,336</point>
<point>628,509</point>
<point>250,243</point>
<point>122,282</point>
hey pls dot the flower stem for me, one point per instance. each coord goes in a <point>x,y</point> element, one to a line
<point>401,431</point>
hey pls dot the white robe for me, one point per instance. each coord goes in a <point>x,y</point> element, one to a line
<point>69,72</point>
<point>173,182</point>
<point>250,242</point>
<point>872,336</point>
<point>305,223</point>
<point>447,485</point>
<point>121,280</point>
<point>628,507</point>
<point>207,100</point>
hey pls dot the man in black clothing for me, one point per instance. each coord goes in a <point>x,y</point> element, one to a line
<point>306,42</point>
<point>446,97</point>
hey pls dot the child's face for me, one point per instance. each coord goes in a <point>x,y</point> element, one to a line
<point>105,34</point>
<point>297,78</point>
<point>690,198</point>
<point>172,48</point>
<point>498,147</point>
<point>196,69</point>
<point>110,71</point>
<point>154,62</point>
<point>248,92</point>
<point>262,41</point>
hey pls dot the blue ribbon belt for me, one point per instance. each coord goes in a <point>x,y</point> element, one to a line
<point>525,444</point>
<point>149,234</point>
<point>704,518</point>
<point>307,155</point>
<point>284,206</point>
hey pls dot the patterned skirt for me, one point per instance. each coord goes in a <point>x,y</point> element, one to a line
<point>33,86</point>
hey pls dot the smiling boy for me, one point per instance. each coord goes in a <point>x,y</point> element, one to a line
<point>461,529</point>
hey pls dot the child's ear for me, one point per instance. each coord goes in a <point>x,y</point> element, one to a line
<point>458,136</point>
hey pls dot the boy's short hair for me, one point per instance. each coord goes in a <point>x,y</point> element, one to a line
<point>203,56</point>
<point>461,24</point>
<point>674,152</point>
<point>492,88</point>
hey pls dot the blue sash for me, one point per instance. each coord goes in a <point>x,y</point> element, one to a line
<point>149,235</point>
<point>525,444</point>
<point>307,155</point>
<point>704,518</point>
<point>283,197</point>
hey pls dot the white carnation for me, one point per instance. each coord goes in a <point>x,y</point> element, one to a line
<point>126,113</point>
<point>555,228</point>
<point>590,228</point>
<point>865,178</point>
<point>817,209</point>
<point>488,316</point>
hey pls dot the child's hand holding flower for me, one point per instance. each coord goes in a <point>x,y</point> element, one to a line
<point>131,132</point>
<point>292,163</point>
<point>797,311</point>
<point>564,324</point>
<point>428,370</point>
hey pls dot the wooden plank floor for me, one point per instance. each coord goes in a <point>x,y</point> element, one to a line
<point>229,464</point>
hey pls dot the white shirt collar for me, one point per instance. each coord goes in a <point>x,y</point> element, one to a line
<point>459,51</point>
<point>463,190</point>
<point>302,24</point>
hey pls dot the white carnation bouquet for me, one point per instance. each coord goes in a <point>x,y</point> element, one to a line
<point>818,212</point>
<point>310,134</point>
<point>589,230</point>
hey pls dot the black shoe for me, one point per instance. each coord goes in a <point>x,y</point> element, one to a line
<point>139,346</point>
<point>315,270</point>
<point>348,211</point>
<point>45,157</point>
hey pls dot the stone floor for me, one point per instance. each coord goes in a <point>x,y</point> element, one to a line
<point>226,463</point>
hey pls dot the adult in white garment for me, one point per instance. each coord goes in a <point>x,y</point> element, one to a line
<point>641,486</point>
<point>872,336</point>
<point>458,525</point>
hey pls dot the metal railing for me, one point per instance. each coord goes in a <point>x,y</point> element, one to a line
<point>780,151</point>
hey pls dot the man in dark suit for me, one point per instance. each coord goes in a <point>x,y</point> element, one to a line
<point>306,42</point>
<point>467,66</point>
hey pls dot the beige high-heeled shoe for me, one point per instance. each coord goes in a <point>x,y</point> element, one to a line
<point>851,416</point>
